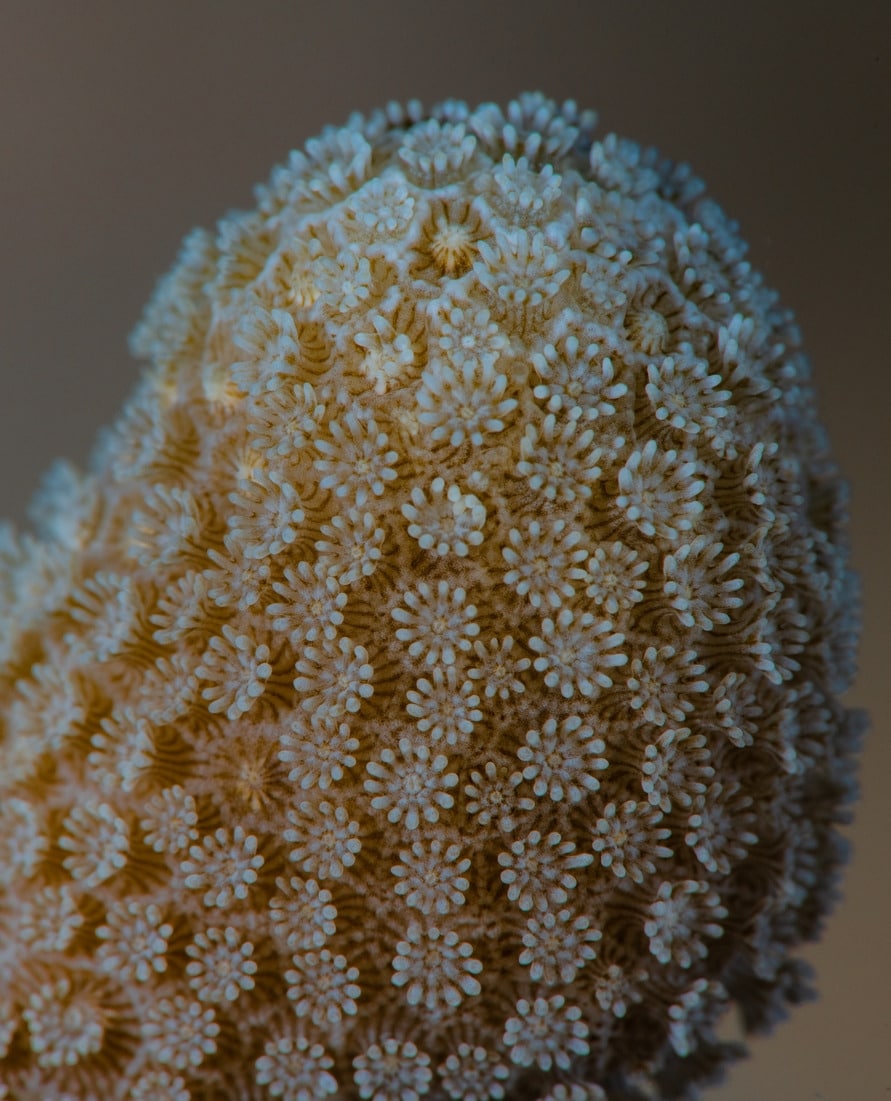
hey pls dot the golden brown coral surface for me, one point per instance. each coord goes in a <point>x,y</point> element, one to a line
<point>432,688</point>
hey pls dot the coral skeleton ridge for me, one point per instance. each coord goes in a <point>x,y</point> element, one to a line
<point>432,688</point>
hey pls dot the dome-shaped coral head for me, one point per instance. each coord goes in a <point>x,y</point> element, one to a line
<point>432,690</point>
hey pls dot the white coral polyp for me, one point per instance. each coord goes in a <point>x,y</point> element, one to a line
<point>437,624</point>
<point>449,521</point>
<point>295,1069</point>
<point>97,840</point>
<point>64,1026</point>
<point>546,1033</point>
<point>432,689</point>
<point>135,939</point>
<point>437,970</point>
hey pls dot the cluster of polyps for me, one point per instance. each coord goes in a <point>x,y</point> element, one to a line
<point>432,688</point>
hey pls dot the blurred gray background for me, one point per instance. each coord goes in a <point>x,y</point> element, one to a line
<point>122,125</point>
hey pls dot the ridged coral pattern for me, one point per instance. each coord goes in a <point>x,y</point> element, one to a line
<point>432,689</point>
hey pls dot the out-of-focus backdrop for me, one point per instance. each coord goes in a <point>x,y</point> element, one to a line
<point>124,125</point>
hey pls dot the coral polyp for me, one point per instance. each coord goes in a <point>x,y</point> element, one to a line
<point>432,688</point>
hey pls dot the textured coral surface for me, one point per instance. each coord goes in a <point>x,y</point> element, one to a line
<point>431,689</point>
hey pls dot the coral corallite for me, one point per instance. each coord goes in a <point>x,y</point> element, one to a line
<point>432,689</point>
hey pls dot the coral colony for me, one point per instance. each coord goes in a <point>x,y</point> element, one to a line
<point>431,691</point>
